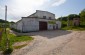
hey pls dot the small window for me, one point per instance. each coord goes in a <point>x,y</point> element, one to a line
<point>49,17</point>
<point>44,17</point>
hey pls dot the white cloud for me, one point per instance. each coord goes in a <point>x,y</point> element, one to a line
<point>1,8</point>
<point>58,2</point>
<point>25,7</point>
<point>2,12</point>
<point>19,8</point>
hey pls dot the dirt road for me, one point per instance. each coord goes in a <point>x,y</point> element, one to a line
<point>58,42</point>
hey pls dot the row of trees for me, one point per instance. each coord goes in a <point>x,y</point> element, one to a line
<point>70,17</point>
<point>2,22</point>
<point>81,15</point>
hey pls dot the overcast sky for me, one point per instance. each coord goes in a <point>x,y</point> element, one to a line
<point>23,8</point>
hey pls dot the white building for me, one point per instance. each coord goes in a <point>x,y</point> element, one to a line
<point>40,20</point>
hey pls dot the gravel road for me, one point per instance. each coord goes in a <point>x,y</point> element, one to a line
<point>57,42</point>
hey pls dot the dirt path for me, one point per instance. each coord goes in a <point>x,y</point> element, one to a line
<point>55,43</point>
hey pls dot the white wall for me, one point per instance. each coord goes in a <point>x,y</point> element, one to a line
<point>13,26</point>
<point>40,14</point>
<point>30,24</point>
<point>33,15</point>
<point>50,26</point>
<point>19,25</point>
<point>59,24</point>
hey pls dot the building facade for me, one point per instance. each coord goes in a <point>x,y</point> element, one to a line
<point>38,21</point>
<point>76,21</point>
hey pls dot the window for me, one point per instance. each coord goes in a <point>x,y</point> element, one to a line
<point>49,17</point>
<point>44,17</point>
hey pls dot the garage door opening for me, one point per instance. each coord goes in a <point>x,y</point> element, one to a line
<point>42,25</point>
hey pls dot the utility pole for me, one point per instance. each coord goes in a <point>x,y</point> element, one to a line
<point>7,40</point>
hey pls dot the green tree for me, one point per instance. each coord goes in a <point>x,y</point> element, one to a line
<point>70,19</point>
<point>82,15</point>
<point>71,16</point>
<point>3,21</point>
<point>63,18</point>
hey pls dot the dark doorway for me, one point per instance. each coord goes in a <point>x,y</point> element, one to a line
<point>42,25</point>
<point>56,26</point>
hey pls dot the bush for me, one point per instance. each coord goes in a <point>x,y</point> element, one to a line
<point>64,23</point>
<point>8,51</point>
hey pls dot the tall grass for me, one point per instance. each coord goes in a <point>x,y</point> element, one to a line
<point>12,39</point>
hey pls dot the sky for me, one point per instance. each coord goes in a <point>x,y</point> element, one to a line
<point>23,8</point>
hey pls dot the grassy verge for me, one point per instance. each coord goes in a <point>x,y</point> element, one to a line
<point>12,39</point>
<point>76,28</point>
<point>20,46</point>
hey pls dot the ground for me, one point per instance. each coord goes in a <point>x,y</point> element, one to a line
<point>57,42</point>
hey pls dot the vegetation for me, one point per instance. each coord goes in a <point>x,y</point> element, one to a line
<point>3,21</point>
<point>71,16</point>
<point>68,20</point>
<point>20,46</point>
<point>0,29</point>
<point>82,16</point>
<point>51,22</point>
<point>12,39</point>
<point>63,18</point>
<point>76,28</point>
<point>8,51</point>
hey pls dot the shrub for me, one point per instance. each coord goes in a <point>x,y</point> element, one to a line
<point>8,51</point>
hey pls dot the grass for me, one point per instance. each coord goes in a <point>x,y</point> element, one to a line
<point>76,28</point>
<point>12,39</point>
<point>19,38</point>
<point>20,46</point>
<point>0,29</point>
